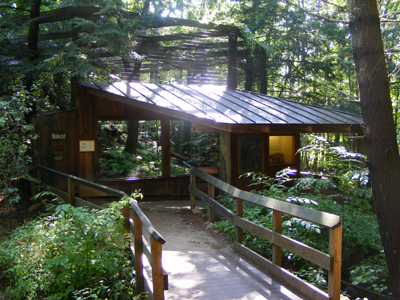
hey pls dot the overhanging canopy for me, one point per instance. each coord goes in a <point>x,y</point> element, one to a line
<point>220,108</point>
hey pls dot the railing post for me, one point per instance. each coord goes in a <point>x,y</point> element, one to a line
<point>277,227</point>
<point>239,213</point>
<point>335,251</point>
<point>158,276</point>
<point>211,194</point>
<point>192,196</point>
<point>71,191</point>
<point>137,224</point>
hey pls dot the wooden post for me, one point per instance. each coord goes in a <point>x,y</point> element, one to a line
<point>232,60</point>
<point>335,251</point>
<point>277,227</point>
<point>192,196</point>
<point>158,276</point>
<point>239,213</point>
<point>71,191</point>
<point>166,148</point>
<point>137,224</point>
<point>211,194</point>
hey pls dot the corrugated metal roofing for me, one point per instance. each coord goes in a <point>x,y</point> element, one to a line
<point>221,105</point>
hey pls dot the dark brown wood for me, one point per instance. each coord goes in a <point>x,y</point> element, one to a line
<point>262,73</point>
<point>211,194</point>
<point>71,191</point>
<point>232,60</point>
<point>277,227</point>
<point>166,148</point>
<point>138,242</point>
<point>192,196</point>
<point>239,213</point>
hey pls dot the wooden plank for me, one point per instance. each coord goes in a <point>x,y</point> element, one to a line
<point>192,196</point>
<point>285,276</point>
<point>335,250</point>
<point>239,213</point>
<point>71,191</point>
<point>318,217</point>
<point>277,227</point>
<point>313,255</point>
<point>147,253</point>
<point>166,148</point>
<point>158,278</point>
<point>138,242</point>
<point>211,194</point>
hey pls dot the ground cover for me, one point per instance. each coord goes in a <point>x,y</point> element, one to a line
<point>66,253</point>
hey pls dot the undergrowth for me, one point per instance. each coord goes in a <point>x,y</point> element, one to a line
<point>73,253</point>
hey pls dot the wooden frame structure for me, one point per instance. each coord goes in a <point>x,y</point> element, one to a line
<point>234,114</point>
<point>330,261</point>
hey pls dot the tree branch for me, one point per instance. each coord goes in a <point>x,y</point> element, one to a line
<point>15,8</point>
<point>389,21</point>
<point>316,15</point>
<point>338,6</point>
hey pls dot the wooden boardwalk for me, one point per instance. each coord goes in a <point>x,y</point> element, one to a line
<point>219,274</point>
<point>200,266</point>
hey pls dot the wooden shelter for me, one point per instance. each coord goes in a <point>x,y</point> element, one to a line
<point>257,132</point>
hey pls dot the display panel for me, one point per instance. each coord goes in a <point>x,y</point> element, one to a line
<point>281,150</point>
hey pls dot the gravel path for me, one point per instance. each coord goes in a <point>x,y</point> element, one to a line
<point>180,227</point>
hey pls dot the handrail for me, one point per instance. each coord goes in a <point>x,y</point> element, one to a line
<point>113,192</point>
<point>330,262</point>
<point>135,226</point>
<point>315,216</point>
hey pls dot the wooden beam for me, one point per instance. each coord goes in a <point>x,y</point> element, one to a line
<point>166,148</point>
<point>232,60</point>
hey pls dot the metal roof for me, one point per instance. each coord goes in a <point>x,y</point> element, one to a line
<point>219,104</point>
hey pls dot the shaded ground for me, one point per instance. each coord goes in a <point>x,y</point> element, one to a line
<point>181,228</point>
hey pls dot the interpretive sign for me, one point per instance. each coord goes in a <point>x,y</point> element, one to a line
<point>86,146</point>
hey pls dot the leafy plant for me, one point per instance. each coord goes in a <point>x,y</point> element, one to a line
<point>74,253</point>
<point>15,141</point>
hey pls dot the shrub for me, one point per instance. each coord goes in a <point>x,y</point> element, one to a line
<point>74,253</point>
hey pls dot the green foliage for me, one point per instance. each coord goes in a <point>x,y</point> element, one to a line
<point>347,182</point>
<point>15,141</point>
<point>74,253</point>
<point>371,273</point>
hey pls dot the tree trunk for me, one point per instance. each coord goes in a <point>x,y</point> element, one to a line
<point>380,133</point>
<point>132,139</point>
<point>33,38</point>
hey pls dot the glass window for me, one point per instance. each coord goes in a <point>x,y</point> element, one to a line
<point>281,150</point>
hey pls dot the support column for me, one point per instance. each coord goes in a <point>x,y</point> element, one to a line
<point>232,60</point>
<point>166,148</point>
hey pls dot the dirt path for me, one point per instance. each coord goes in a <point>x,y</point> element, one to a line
<point>180,227</point>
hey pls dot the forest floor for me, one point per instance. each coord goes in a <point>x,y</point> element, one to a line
<point>13,216</point>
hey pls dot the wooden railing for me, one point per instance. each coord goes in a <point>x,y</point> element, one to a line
<point>140,247</point>
<point>330,261</point>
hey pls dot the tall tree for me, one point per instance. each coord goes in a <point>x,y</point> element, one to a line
<point>380,131</point>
